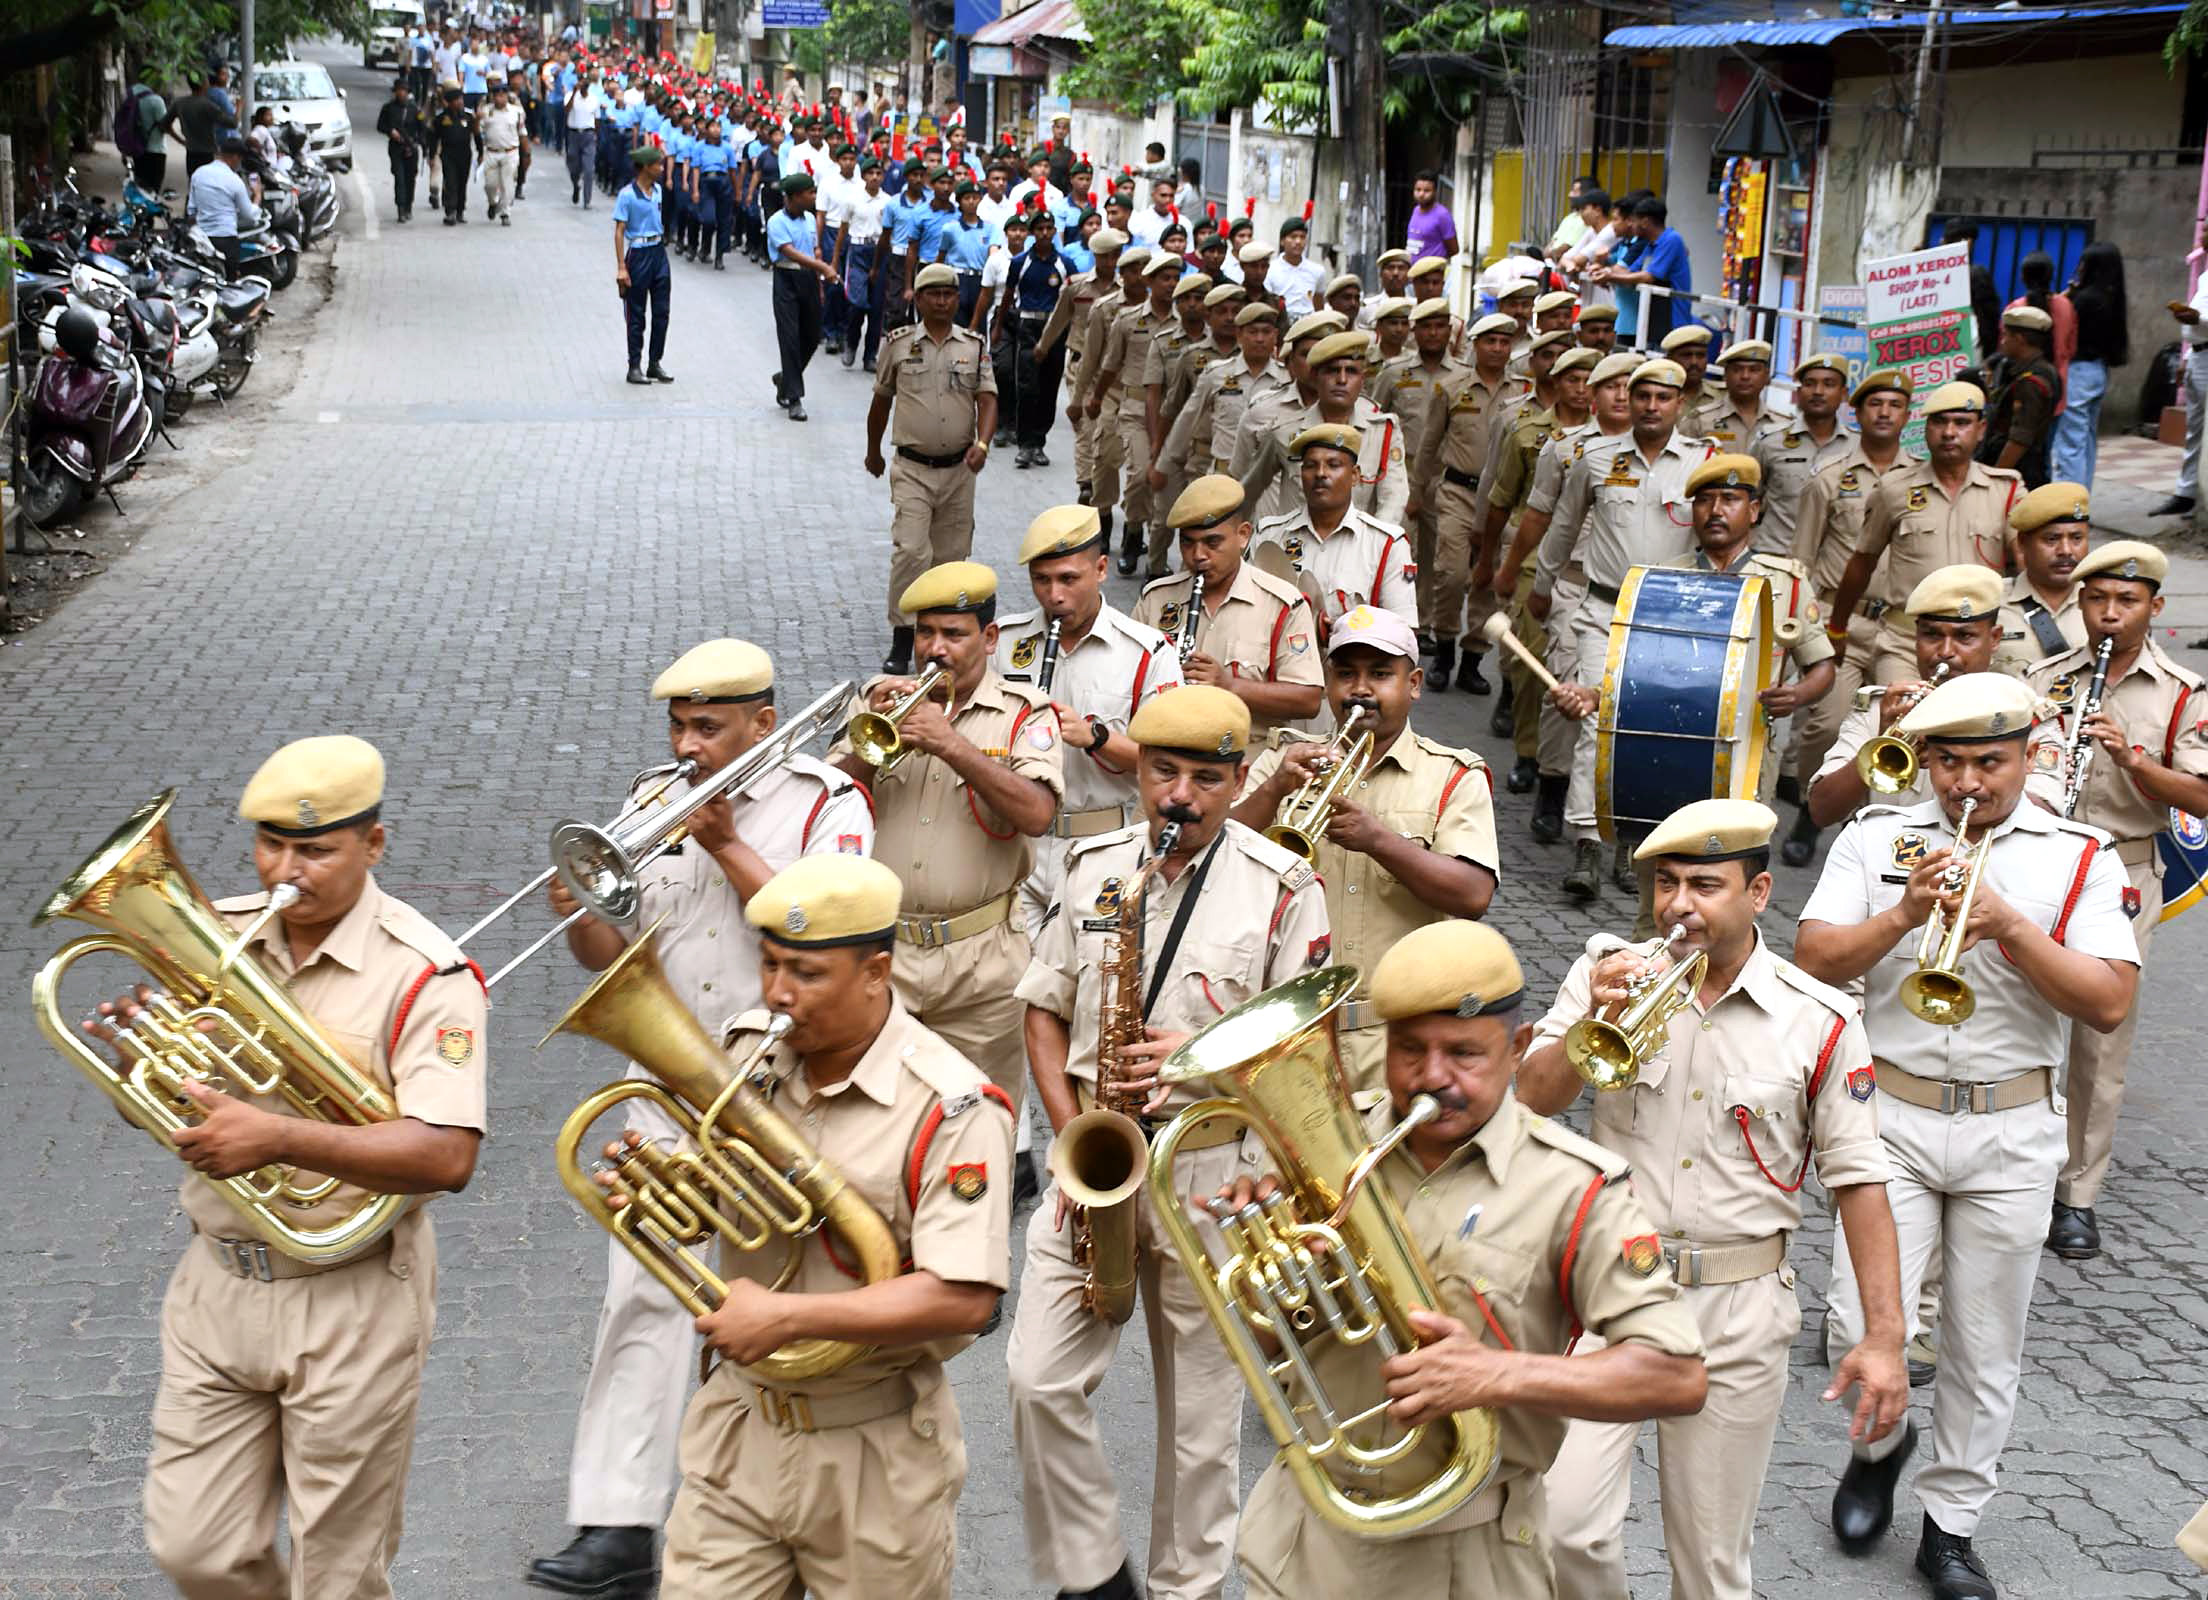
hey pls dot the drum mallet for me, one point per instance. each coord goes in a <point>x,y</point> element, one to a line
<point>1498,632</point>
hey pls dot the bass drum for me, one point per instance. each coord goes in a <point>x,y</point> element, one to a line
<point>2183,847</point>
<point>1680,720</point>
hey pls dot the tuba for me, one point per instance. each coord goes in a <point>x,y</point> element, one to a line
<point>1326,1268</point>
<point>751,1180</point>
<point>1608,1051</point>
<point>218,1018</point>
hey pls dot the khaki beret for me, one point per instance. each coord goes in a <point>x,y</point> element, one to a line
<point>1135,258</point>
<point>1617,364</point>
<point>1965,592</point>
<point>1553,300</point>
<point>1194,717</point>
<point>1725,472</point>
<point>1257,311</point>
<point>1972,709</point>
<point>1333,435</point>
<point>1573,360</point>
<point>1354,342</point>
<point>313,785</point>
<point>825,900</point>
<point>1660,371</point>
<point>1220,294</point>
<point>1822,361</point>
<point>1207,502</point>
<point>1679,338</point>
<point>1427,310</point>
<point>2028,317</point>
<point>1493,322</point>
<point>1163,261</point>
<point>1711,830</point>
<point>1598,314</point>
<point>1061,531</point>
<point>1542,341</point>
<point>1254,252</point>
<point>954,586</point>
<point>1316,325</point>
<point>1886,380</point>
<point>1377,628</point>
<point>1386,256</point>
<point>937,275</point>
<point>1746,350</point>
<point>2052,502</point>
<point>1426,266</point>
<point>1954,397</point>
<point>1341,280</point>
<point>2126,558</point>
<point>1457,968</point>
<point>1391,305</point>
<point>717,670</point>
<point>1512,290</point>
<point>1194,283</point>
<point>1107,241</point>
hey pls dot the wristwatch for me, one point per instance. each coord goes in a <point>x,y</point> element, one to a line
<point>1100,734</point>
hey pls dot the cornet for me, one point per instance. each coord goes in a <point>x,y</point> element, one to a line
<point>1608,1050</point>
<point>873,734</point>
<point>1888,763</point>
<point>1304,814</point>
<point>1936,991</point>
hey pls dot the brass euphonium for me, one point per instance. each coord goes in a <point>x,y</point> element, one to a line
<point>1937,992</point>
<point>873,734</point>
<point>1325,1269</point>
<point>747,1177</point>
<point>217,1018</point>
<point>1305,814</point>
<point>1608,1051</point>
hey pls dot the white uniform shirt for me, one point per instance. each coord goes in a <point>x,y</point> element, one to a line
<point>864,217</point>
<point>1120,664</point>
<point>1296,284</point>
<point>1363,562</point>
<point>832,199</point>
<point>1148,225</point>
<point>1053,196</point>
<point>994,212</point>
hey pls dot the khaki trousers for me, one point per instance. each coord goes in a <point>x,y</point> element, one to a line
<point>1105,459</point>
<point>297,1394</point>
<point>1288,1553</point>
<point>853,1513</point>
<point>1710,1466</point>
<point>1084,450</point>
<point>2097,1060</point>
<point>1164,540</point>
<point>1058,1355</point>
<point>1526,691</point>
<point>1589,641</point>
<point>1558,736</point>
<point>931,521</point>
<point>499,167</point>
<point>1425,531</point>
<point>1134,455</point>
<point>963,991</point>
<point>1458,608</point>
<point>1976,1190</point>
<point>1818,724</point>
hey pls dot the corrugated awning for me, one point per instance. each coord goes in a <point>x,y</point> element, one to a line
<point>1052,19</point>
<point>1824,30</point>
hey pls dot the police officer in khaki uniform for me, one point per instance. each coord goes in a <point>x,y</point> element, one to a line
<point>1074,320</point>
<point>846,1484</point>
<point>1406,387</point>
<point>1690,347</point>
<point>939,380</point>
<point>1929,515</point>
<point>1250,632</point>
<point>1793,453</point>
<point>1413,842</point>
<point>2039,612</point>
<point>1762,1067</point>
<point>2145,752</point>
<point>1341,557</point>
<point>1202,436</point>
<point>1165,381</point>
<point>1453,449</point>
<point>1227,916</point>
<point>1733,421</point>
<point>1596,328</point>
<point>720,700</point>
<point>1534,1237</point>
<point>953,817</point>
<point>1970,1113</point>
<point>1265,413</point>
<point>1827,524</point>
<point>1337,367</point>
<point>1219,342</point>
<point>1117,392</point>
<point>286,1383</point>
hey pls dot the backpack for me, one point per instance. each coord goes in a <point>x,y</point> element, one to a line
<point>130,138</point>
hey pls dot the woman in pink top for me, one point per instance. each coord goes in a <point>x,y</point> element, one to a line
<point>2038,272</point>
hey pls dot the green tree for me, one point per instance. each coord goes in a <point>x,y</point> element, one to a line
<point>1136,50</point>
<point>1271,50</point>
<point>867,30</point>
<point>164,38</point>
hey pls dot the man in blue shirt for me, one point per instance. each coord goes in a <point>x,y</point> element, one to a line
<point>963,245</point>
<point>640,263</point>
<point>712,194</point>
<point>921,232</point>
<point>895,299</point>
<point>1662,259</point>
<point>420,78</point>
<point>793,244</point>
<point>221,203</point>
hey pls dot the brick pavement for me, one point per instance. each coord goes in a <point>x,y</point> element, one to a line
<point>461,535</point>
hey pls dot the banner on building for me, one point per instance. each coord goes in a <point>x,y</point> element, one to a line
<point>701,55</point>
<point>795,13</point>
<point>1916,316</point>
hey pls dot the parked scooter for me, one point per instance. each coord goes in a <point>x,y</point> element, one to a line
<point>86,424</point>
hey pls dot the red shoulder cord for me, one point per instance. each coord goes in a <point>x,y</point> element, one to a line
<point>914,1169</point>
<point>414,990</point>
<point>1809,1137</point>
<point>1571,1258</point>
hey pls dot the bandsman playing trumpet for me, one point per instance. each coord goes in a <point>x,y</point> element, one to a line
<point>285,1382</point>
<point>720,705</point>
<point>1341,556</point>
<point>1535,1237</point>
<point>1747,1071</point>
<point>2142,749</point>
<point>1250,632</point>
<point>1199,954</point>
<point>1409,840</point>
<point>2039,613</point>
<point>1974,961</point>
<point>846,1485</point>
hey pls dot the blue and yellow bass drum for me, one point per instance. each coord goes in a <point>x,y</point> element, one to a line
<point>1680,720</point>
<point>2183,846</point>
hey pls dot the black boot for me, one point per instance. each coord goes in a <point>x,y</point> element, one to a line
<point>602,1561</point>
<point>1469,678</point>
<point>1119,1586</point>
<point>1524,774</point>
<point>1504,722</point>
<point>1130,549</point>
<point>2073,1234</point>
<point>1084,495</point>
<point>898,663</point>
<point>1548,810</point>
<point>1954,1568</point>
<point>636,374</point>
<point>1863,1505</point>
<point>658,373</point>
<point>1788,790</point>
<point>1801,843</point>
<point>1621,868</point>
<point>1444,670</point>
<point>1584,881</point>
<point>1024,1186</point>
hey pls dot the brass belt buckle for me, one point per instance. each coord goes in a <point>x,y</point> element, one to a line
<point>1686,1265</point>
<point>792,1413</point>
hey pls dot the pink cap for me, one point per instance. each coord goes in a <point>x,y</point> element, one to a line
<point>1381,630</point>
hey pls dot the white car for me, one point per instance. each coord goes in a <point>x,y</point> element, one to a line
<point>389,24</point>
<point>301,92</point>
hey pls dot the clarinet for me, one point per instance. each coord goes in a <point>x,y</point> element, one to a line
<point>1044,673</point>
<point>1188,622</point>
<point>2081,744</point>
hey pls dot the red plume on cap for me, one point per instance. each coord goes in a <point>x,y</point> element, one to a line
<point>1084,155</point>
<point>1038,199</point>
<point>758,86</point>
<point>1050,144</point>
<point>897,147</point>
<point>1249,206</point>
<point>1307,211</point>
<point>1090,197</point>
<point>1174,212</point>
<point>1126,171</point>
<point>1211,209</point>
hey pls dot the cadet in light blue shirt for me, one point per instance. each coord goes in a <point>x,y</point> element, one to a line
<point>793,245</point>
<point>920,232</point>
<point>640,263</point>
<point>713,194</point>
<point>963,245</point>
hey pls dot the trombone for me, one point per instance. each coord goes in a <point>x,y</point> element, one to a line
<point>1607,1050</point>
<point>873,734</point>
<point>1304,814</point>
<point>1888,763</point>
<point>1936,992</point>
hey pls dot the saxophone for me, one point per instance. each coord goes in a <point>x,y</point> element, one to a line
<point>1101,1156</point>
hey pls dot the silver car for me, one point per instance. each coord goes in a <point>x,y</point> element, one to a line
<point>301,92</point>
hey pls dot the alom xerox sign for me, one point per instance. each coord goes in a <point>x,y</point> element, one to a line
<point>1916,315</point>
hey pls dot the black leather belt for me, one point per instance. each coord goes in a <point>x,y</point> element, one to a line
<point>915,456</point>
<point>1463,480</point>
<point>1603,591</point>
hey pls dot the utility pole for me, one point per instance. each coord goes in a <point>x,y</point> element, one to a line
<point>1360,67</point>
<point>245,65</point>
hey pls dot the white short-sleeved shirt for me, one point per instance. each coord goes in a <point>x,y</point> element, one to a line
<point>1119,664</point>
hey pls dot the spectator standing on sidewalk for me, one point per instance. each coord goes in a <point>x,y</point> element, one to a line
<point>199,122</point>
<point>149,162</point>
<point>1663,262</point>
<point>2193,318</point>
<point>1432,231</point>
<point>501,133</point>
<point>2097,296</point>
<point>2037,271</point>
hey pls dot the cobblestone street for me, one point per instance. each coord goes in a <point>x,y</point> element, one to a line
<point>460,535</point>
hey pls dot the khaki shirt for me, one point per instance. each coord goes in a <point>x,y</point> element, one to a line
<point>1406,389</point>
<point>1500,430</point>
<point>710,953</point>
<point>1705,1174</point>
<point>1259,920</point>
<point>1727,429</point>
<point>1791,599</point>
<point>1202,436</point>
<point>1195,359</point>
<point>1912,522</point>
<point>934,385</point>
<point>867,1128</point>
<point>1261,418</point>
<point>1161,364</point>
<point>1460,409</point>
<point>2161,709</point>
<point>1364,561</point>
<point>1424,790</point>
<point>1554,461</point>
<point>1383,484</point>
<point>952,853</point>
<point>1121,365</point>
<point>1791,458</point>
<point>1069,318</point>
<point>1829,522</point>
<point>1109,303</point>
<point>1116,666</point>
<point>1619,510</point>
<point>352,986</point>
<point>2021,647</point>
<point>2033,863</point>
<point>1517,459</point>
<point>1261,629</point>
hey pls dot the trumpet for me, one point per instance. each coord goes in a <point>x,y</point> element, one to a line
<point>1304,814</point>
<point>1189,618</point>
<point>2079,757</point>
<point>1608,1051</point>
<point>1888,763</point>
<point>1936,992</point>
<point>873,734</point>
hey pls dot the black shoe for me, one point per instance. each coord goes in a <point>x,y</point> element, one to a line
<point>1922,1369</point>
<point>1130,549</point>
<point>1524,774</point>
<point>2178,505</point>
<point>1083,494</point>
<point>1954,1568</point>
<point>1801,844</point>
<point>898,663</point>
<point>720,264</point>
<point>796,413</point>
<point>1025,458</point>
<point>1548,810</point>
<point>870,363</point>
<point>1024,1186</point>
<point>1444,670</point>
<point>636,376</point>
<point>1621,869</point>
<point>1504,722</point>
<point>1469,677</point>
<point>2074,1235</point>
<point>1119,1586</point>
<point>1003,437</point>
<point>658,373</point>
<point>574,194</point>
<point>780,398</point>
<point>851,355</point>
<point>1863,1505</point>
<point>1788,791</point>
<point>1584,881</point>
<point>601,1561</point>
<point>1425,643</point>
<point>1039,459</point>
<point>831,347</point>
<point>448,219</point>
